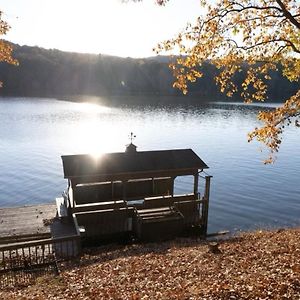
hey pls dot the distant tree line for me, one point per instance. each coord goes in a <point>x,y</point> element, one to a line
<point>54,73</point>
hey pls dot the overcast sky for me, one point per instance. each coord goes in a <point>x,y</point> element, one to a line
<point>96,26</point>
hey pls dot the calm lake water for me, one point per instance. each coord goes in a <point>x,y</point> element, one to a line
<point>245,193</point>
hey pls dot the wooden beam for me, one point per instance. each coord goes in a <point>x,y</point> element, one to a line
<point>124,189</point>
<point>196,180</point>
<point>173,182</point>
<point>116,204</point>
<point>206,204</point>
<point>133,175</point>
<point>39,242</point>
<point>153,186</point>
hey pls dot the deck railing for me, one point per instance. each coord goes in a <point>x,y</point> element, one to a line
<point>21,263</point>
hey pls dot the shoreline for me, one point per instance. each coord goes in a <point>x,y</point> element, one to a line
<point>252,265</point>
<point>133,99</point>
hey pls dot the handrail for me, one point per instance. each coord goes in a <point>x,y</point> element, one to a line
<point>117,204</point>
<point>39,242</point>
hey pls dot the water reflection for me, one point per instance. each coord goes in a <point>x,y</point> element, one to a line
<point>35,133</point>
<point>92,108</point>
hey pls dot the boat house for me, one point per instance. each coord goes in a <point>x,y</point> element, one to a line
<point>131,194</point>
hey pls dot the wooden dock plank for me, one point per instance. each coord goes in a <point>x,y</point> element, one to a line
<point>25,220</point>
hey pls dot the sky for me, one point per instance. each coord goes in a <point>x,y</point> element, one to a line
<point>97,26</point>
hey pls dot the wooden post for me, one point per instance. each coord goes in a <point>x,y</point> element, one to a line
<point>153,186</point>
<point>68,196</point>
<point>72,188</point>
<point>173,182</point>
<point>206,204</point>
<point>112,190</point>
<point>196,178</point>
<point>124,189</point>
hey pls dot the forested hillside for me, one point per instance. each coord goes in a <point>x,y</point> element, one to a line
<point>54,73</point>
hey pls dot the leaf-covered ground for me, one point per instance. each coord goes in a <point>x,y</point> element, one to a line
<point>258,265</point>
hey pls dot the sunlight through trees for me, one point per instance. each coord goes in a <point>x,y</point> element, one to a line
<point>256,38</point>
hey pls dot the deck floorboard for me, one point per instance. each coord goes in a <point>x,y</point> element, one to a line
<point>26,221</point>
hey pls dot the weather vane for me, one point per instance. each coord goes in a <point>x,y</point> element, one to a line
<point>132,137</point>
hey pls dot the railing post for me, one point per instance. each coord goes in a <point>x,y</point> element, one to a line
<point>196,179</point>
<point>206,204</point>
<point>173,183</point>
<point>124,189</point>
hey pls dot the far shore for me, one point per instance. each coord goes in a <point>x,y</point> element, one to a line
<point>144,99</point>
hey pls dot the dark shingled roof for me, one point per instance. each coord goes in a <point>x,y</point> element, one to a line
<point>134,162</point>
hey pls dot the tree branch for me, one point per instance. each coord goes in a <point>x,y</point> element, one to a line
<point>288,42</point>
<point>288,14</point>
<point>238,10</point>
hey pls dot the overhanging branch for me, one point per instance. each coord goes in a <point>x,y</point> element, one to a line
<point>288,14</point>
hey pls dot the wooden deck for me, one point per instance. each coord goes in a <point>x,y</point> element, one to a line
<point>18,224</point>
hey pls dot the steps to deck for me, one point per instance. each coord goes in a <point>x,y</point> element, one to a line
<point>158,223</point>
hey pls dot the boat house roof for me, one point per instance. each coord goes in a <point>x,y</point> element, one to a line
<point>113,166</point>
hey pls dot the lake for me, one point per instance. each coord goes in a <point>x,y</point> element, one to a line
<point>245,193</point>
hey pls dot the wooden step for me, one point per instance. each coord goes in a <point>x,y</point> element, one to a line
<point>162,219</point>
<point>160,214</point>
<point>154,210</point>
<point>164,213</point>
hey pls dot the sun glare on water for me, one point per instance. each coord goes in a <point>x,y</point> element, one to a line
<point>94,132</point>
<point>92,108</point>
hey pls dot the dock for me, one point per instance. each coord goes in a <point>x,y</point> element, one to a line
<point>26,222</point>
<point>32,223</point>
<point>33,239</point>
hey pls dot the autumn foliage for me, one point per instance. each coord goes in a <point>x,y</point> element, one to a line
<point>5,48</point>
<point>262,35</point>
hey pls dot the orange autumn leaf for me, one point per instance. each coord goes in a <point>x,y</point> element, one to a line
<point>5,48</point>
<point>259,36</point>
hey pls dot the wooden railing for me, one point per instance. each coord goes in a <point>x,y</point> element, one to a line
<point>164,201</point>
<point>99,206</point>
<point>21,263</point>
